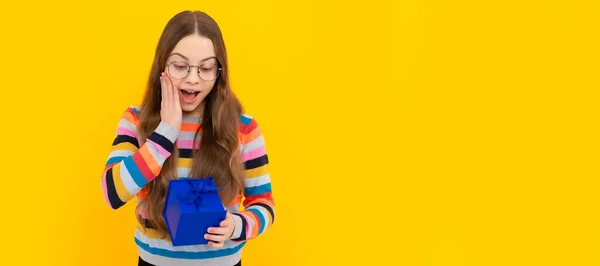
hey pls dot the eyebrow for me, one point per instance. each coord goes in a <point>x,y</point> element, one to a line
<point>205,59</point>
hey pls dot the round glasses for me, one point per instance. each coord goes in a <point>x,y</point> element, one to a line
<point>180,70</point>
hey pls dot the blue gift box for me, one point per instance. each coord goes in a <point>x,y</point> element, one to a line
<point>192,206</point>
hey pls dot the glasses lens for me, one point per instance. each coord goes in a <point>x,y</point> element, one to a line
<point>178,70</point>
<point>209,73</point>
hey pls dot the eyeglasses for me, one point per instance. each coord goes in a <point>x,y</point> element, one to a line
<point>180,70</point>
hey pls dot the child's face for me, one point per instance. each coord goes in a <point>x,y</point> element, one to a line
<point>198,52</point>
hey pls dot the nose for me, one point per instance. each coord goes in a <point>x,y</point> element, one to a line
<point>193,77</point>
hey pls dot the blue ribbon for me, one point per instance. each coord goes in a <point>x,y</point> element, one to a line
<point>195,191</point>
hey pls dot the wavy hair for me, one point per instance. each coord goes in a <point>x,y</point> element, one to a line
<point>219,153</point>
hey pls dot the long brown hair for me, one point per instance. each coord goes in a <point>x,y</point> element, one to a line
<point>218,155</point>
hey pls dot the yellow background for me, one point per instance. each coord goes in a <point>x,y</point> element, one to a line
<point>400,132</point>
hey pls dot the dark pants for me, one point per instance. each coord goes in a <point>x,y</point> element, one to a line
<point>144,263</point>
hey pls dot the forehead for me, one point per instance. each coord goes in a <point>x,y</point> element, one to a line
<point>195,48</point>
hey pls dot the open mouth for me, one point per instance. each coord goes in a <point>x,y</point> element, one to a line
<point>189,96</point>
<point>189,92</point>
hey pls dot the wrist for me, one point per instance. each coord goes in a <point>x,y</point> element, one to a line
<point>169,132</point>
<point>237,228</point>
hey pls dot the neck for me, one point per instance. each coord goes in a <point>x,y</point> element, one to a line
<point>197,113</point>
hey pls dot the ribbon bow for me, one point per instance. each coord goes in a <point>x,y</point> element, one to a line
<point>195,191</point>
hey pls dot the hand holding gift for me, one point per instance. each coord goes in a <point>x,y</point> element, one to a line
<point>218,235</point>
<point>192,207</point>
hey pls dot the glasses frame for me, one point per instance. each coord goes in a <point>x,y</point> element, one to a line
<point>190,69</point>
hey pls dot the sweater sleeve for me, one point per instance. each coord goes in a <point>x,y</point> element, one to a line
<point>259,207</point>
<point>130,166</point>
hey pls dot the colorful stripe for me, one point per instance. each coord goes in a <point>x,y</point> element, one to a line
<point>258,204</point>
<point>124,176</point>
<point>254,154</point>
<point>130,167</point>
<point>189,127</point>
<point>160,149</point>
<point>126,132</point>
<point>187,144</point>
<point>256,172</point>
<point>189,254</point>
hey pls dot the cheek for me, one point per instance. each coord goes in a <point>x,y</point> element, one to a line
<point>208,86</point>
<point>176,83</point>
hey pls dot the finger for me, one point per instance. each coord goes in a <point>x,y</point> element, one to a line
<point>215,238</point>
<point>163,91</point>
<point>175,91</point>
<point>169,81</point>
<point>217,230</point>
<point>170,86</point>
<point>168,93</point>
<point>227,222</point>
<point>215,245</point>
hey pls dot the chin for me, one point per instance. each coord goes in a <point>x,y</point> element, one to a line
<point>190,107</point>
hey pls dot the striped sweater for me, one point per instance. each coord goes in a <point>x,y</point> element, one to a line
<point>133,163</point>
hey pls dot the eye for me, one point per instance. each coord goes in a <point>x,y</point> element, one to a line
<point>206,69</point>
<point>180,66</point>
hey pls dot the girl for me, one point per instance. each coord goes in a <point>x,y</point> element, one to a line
<point>190,124</point>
